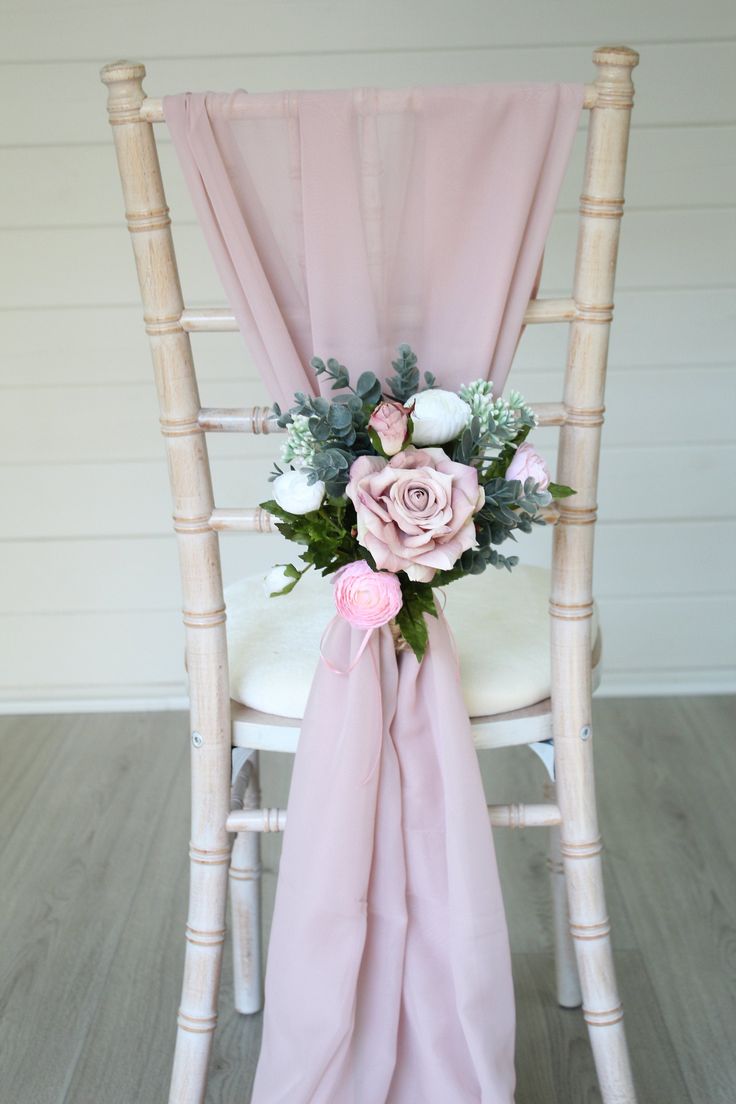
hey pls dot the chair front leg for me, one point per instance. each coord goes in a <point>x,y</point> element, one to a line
<point>245,895</point>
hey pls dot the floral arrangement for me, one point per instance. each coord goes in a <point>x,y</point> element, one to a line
<point>400,494</point>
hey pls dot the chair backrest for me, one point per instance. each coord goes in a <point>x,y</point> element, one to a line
<point>184,423</point>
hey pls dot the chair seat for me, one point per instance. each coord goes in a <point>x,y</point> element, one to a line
<point>500,621</point>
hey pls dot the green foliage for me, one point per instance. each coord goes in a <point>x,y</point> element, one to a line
<point>497,467</point>
<point>327,533</point>
<point>500,419</point>
<point>331,465</point>
<point>418,600</point>
<point>469,445</point>
<point>293,574</point>
<point>335,371</point>
<point>405,383</point>
<point>325,437</point>
<point>367,389</point>
<point>509,506</point>
<point>559,490</point>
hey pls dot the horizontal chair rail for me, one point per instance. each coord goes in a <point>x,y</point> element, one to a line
<point>501,816</point>
<point>239,419</point>
<point>222,319</point>
<point>260,419</point>
<point>152,109</point>
<point>252,519</point>
<point>249,520</point>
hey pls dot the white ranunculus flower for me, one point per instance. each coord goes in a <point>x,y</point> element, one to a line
<point>438,416</point>
<point>276,580</point>
<point>295,494</point>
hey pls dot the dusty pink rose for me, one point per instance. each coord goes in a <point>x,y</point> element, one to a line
<point>528,464</point>
<point>390,421</point>
<point>366,598</point>
<point>415,511</point>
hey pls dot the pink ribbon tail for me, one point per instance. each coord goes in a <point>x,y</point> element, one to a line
<point>339,670</point>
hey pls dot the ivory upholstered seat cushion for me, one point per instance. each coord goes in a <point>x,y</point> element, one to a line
<point>500,621</point>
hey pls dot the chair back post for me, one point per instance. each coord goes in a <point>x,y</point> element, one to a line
<point>148,220</point>
<point>571,602</point>
<point>601,208</point>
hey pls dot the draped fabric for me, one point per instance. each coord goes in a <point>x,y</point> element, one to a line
<point>343,224</point>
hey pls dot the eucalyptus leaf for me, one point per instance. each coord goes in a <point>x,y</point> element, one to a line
<point>367,383</point>
<point>339,416</point>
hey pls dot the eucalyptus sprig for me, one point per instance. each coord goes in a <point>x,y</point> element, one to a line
<point>325,436</point>
<point>405,384</point>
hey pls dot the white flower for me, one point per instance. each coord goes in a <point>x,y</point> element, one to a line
<point>276,580</point>
<point>438,416</point>
<point>295,494</point>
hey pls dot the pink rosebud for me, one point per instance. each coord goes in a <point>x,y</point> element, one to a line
<point>390,421</point>
<point>366,598</point>
<point>528,464</point>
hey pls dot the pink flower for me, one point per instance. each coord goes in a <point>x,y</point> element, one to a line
<point>366,598</point>
<point>415,511</point>
<point>390,421</point>
<point>528,464</point>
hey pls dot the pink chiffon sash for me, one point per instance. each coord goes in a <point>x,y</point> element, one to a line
<point>343,224</point>
<point>389,973</point>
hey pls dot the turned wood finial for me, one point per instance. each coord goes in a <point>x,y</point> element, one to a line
<point>616,55</point>
<point>614,87</point>
<point>124,80</point>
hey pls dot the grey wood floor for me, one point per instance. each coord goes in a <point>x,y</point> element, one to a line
<point>93,834</point>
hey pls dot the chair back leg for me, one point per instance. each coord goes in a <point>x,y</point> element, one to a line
<point>571,603</point>
<point>199,556</point>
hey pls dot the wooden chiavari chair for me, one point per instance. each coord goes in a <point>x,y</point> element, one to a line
<point>226,736</point>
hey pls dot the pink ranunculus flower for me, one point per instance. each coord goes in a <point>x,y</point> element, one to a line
<point>391,422</point>
<point>528,464</point>
<point>415,511</point>
<point>366,598</point>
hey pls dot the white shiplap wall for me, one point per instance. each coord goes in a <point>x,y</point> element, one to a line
<point>88,571</point>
